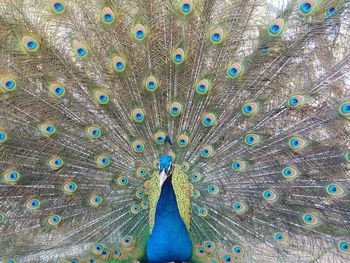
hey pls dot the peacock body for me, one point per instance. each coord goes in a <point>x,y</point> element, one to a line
<point>174,131</point>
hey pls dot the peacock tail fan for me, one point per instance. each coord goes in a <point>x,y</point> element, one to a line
<point>253,94</point>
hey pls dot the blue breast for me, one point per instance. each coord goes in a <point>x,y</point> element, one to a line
<point>169,240</point>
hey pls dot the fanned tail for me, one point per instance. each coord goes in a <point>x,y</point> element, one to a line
<point>252,96</point>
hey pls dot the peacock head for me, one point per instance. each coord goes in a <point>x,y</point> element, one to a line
<point>165,167</point>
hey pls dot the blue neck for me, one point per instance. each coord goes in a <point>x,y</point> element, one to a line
<point>169,240</point>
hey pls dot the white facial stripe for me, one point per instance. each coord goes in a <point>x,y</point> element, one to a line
<point>162,178</point>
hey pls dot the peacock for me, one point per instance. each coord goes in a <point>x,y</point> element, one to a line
<point>202,131</point>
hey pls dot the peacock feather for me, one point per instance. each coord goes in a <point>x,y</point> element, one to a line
<point>174,131</point>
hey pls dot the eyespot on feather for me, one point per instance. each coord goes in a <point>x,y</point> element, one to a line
<point>270,196</point>
<point>3,136</point>
<point>239,166</point>
<point>103,161</point>
<point>93,132</point>
<point>54,220</point>
<point>70,187</point>
<point>8,83</point>
<point>55,163</point>
<point>216,35</point>
<point>344,109</point>
<point>183,140</point>
<point>307,8</point>
<point>186,6</point>
<point>296,101</point>
<point>290,172</point>
<point>101,97</point>
<point>159,137</point>
<point>276,27</point>
<point>139,32</point>
<point>122,181</point>
<point>239,207</point>
<point>209,119</point>
<point>33,204</point>
<point>138,146</point>
<point>11,176</point>
<point>311,219</point>
<point>138,115</point>
<point>207,151</point>
<point>30,44</point>
<point>250,108</point>
<point>252,139</point>
<point>175,109</point>
<point>344,247</point>
<point>95,200</point>
<point>234,70</point>
<point>280,237</point>
<point>47,129</point>
<point>141,171</point>
<point>178,56</point>
<point>151,84</point>
<point>296,143</point>
<point>107,16</point>
<point>57,90</point>
<point>203,86</point>
<point>57,6</point>
<point>185,166</point>
<point>119,64</point>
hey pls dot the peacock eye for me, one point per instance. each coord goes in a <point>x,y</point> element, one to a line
<point>311,219</point>
<point>139,32</point>
<point>239,207</point>
<point>330,11</point>
<point>138,115</point>
<point>208,120</point>
<point>122,180</point>
<point>30,44</point>
<point>7,84</point>
<point>306,7</point>
<point>33,204</point>
<point>228,258</point>
<point>186,7</point>
<point>183,140</point>
<point>119,64</point>
<point>138,146</point>
<point>57,90</point>
<point>95,200</point>
<point>135,209</point>
<point>252,139</point>
<point>54,220</point>
<point>57,7</point>
<point>178,56</point>
<point>107,16</point>
<point>216,35</point>
<point>270,196</point>
<point>103,161</point>
<point>203,86</point>
<point>234,70</point>
<point>213,189</point>
<point>275,28</point>
<point>344,247</point>
<point>249,108</point>
<point>175,109</point>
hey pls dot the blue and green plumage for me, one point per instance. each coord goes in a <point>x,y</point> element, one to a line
<point>169,240</point>
<point>253,94</point>
<point>169,196</point>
